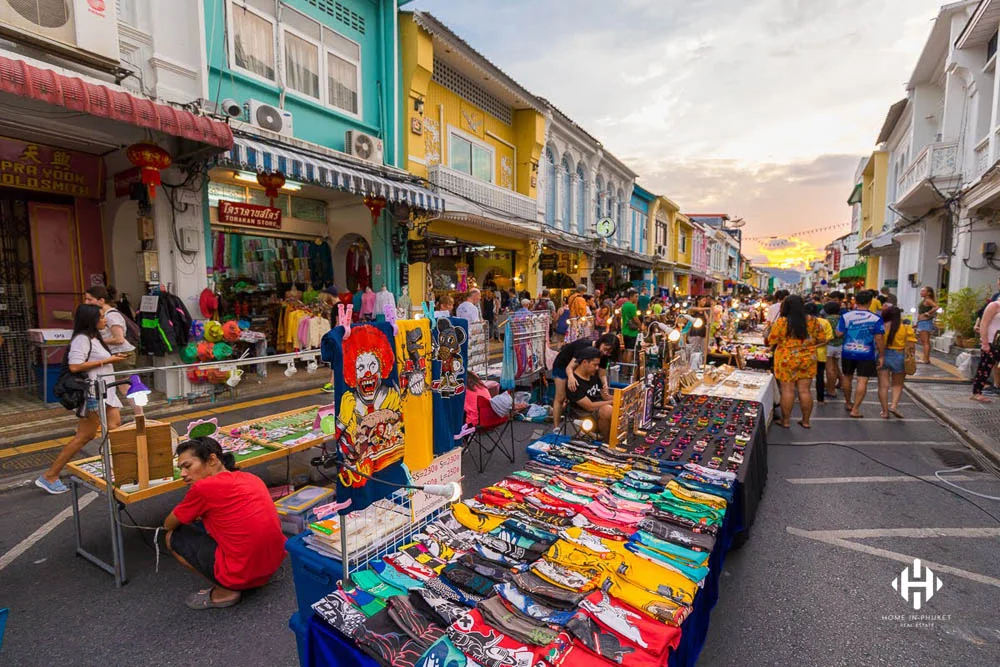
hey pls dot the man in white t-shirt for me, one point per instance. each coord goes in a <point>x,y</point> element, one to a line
<point>469,309</point>
<point>774,310</point>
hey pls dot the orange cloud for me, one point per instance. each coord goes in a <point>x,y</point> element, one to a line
<point>788,253</point>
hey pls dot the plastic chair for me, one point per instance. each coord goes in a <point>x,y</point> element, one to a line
<point>3,623</point>
<point>493,433</point>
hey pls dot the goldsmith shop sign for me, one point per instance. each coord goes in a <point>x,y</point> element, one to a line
<point>249,215</point>
<point>42,168</point>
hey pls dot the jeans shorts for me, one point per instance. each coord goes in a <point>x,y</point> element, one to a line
<point>925,325</point>
<point>894,361</point>
<point>559,373</point>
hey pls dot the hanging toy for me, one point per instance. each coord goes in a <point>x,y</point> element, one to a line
<point>221,351</point>
<point>197,329</point>
<point>213,331</point>
<point>189,353</point>
<point>231,331</point>
<point>205,351</point>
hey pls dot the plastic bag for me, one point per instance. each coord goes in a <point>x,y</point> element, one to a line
<point>964,365</point>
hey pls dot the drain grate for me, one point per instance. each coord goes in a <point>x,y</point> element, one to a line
<point>956,458</point>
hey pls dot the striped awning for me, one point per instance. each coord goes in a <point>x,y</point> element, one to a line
<point>328,172</point>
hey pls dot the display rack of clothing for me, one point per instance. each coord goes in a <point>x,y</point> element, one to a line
<point>359,266</point>
<point>529,333</point>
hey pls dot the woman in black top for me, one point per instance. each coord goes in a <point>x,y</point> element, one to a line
<point>489,310</point>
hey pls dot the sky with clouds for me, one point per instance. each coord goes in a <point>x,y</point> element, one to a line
<point>758,108</point>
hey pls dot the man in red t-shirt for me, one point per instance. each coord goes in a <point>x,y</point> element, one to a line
<point>238,544</point>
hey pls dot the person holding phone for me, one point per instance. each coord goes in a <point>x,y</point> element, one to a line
<point>88,354</point>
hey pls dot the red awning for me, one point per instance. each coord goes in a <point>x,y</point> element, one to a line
<point>19,78</point>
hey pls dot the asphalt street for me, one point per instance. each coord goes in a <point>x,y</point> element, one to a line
<point>800,592</point>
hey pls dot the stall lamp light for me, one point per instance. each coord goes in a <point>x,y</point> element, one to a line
<point>137,392</point>
<point>698,322</point>
<point>913,310</point>
<point>940,310</point>
<point>674,336</point>
<point>452,491</point>
<point>586,424</point>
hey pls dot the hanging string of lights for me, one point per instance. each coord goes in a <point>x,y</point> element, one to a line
<point>816,230</point>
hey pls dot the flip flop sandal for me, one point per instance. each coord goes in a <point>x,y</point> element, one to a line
<point>856,416</point>
<point>782,425</point>
<point>803,424</point>
<point>203,600</point>
<point>896,413</point>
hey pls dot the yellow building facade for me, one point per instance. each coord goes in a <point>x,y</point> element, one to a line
<point>664,210</point>
<point>478,137</point>
<point>681,252</point>
<point>874,180</point>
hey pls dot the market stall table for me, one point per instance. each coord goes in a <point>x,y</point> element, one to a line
<point>322,644</point>
<point>89,473</point>
<point>748,385</point>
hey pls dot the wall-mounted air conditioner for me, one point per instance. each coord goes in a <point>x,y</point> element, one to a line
<point>269,117</point>
<point>364,146</point>
<point>85,31</point>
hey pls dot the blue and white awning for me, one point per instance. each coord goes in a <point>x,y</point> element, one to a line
<point>327,172</point>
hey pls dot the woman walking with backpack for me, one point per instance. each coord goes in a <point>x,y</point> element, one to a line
<point>87,354</point>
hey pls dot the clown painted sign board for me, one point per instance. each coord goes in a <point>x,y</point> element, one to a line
<point>369,422</point>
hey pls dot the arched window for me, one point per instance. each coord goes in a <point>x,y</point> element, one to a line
<point>581,201</point>
<point>622,205</point>
<point>599,200</point>
<point>567,193</point>
<point>550,187</point>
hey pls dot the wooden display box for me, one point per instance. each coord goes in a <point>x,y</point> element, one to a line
<point>141,451</point>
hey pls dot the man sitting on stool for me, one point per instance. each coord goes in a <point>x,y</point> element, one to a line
<point>590,395</point>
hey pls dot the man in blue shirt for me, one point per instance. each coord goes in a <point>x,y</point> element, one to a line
<point>864,349</point>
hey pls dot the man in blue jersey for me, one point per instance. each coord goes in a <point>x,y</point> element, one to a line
<point>864,349</point>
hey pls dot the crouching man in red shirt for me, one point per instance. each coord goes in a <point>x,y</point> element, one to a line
<point>238,543</point>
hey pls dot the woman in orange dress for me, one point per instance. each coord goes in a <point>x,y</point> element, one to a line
<point>796,336</point>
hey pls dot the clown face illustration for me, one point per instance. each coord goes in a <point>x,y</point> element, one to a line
<point>368,370</point>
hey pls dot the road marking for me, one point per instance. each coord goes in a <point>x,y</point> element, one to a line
<point>851,419</point>
<point>838,538</point>
<point>923,443</point>
<point>59,442</point>
<point>877,479</point>
<point>45,529</point>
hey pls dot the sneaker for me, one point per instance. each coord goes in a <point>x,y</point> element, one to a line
<point>55,488</point>
<point>992,390</point>
<point>328,388</point>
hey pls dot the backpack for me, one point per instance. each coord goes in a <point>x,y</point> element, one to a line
<point>133,334</point>
<point>71,388</point>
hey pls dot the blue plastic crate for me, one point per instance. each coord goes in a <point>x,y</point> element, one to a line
<point>3,624</point>
<point>315,576</point>
<point>301,630</point>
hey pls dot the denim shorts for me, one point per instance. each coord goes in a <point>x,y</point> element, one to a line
<point>925,325</point>
<point>91,404</point>
<point>894,361</point>
<point>559,373</point>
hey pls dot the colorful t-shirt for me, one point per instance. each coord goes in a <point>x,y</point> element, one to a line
<point>860,328</point>
<point>413,351</point>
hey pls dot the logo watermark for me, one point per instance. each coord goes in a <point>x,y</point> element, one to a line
<point>917,584</point>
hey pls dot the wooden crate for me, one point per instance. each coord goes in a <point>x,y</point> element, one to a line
<point>135,461</point>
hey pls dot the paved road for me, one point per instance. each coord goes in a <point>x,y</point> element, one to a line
<point>789,596</point>
<point>795,595</point>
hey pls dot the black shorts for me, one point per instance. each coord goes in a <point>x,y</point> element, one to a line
<point>865,368</point>
<point>628,342</point>
<point>192,543</point>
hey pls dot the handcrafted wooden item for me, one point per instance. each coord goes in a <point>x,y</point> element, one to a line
<point>141,451</point>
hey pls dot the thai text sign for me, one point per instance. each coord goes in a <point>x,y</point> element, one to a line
<point>249,215</point>
<point>41,168</point>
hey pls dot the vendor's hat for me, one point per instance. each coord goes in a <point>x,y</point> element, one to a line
<point>213,331</point>
<point>231,331</point>
<point>208,302</point>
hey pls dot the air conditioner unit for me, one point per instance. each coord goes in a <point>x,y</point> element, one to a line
<point>661,250</point>
<point>85,31</point>
<point>364,146</point>
<point>269,117</point>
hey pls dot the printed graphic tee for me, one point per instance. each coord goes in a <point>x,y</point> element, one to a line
<point>859,328</point>
<point>413,355</point>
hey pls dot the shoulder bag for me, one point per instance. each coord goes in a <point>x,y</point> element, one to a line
<point>71,388</point>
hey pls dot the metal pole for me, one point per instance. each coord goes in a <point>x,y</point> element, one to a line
<point>102,411</point>
<point>345,565</point>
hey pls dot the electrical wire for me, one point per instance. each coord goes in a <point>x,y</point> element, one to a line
<point>156,533</point>
<point>938,473</point>
<point>893,468</point>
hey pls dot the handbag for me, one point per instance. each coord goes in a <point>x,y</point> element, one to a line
<point>910,360</point>
<point>71,388</point>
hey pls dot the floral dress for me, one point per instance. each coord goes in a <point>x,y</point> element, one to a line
<point>793,359</point>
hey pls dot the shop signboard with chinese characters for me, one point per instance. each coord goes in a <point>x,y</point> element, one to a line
<point>41,168</point>
<point>249,215</point>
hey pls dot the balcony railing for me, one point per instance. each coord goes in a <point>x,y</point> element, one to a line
<point>981,155</point>
<point>491,196</point>
<point>934,161</point>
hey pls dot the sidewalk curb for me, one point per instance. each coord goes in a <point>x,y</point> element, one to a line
<point>16,482</point>
<point>969,439</point>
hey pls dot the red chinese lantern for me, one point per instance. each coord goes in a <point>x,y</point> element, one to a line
<point>375,206</point>
<point>151,160</point>
<point>271,182</point>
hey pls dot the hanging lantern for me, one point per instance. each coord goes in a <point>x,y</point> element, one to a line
<point>375,206</point>
<point>271,182</point>
<point>151,160</point>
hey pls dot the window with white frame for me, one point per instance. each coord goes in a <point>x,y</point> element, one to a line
<point>319,63</point>
<point>253,38</point>
<point>470,157</point>
<point>684,243</point>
